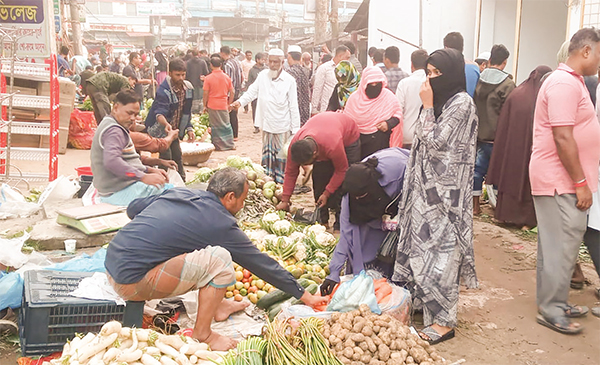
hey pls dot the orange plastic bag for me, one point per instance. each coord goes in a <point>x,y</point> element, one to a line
<point>81,129</point>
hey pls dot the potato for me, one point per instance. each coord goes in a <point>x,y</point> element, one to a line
<point>374,361</point>
<point>356,357</point>
<point>355,363</point>
<point>348,352</point>
<point>326,333</point>
<point>342,334</point>
<point>347,335</point>
<point>377,340</point>
<point>411,343</point>
<point>349,343</point>
<point>347,325</point>
<point>426,363</point>
<point>376,329</point>
<point>419,354</point>
<point>381,323</point>
<point>393,346</point>
<point>363,345</point>
<point>371,344</point>
<point>384,352</point>
<point>401,345</point>
<point>404,354</point>
<point>435,356</point>
<point>409,360</point>
<point>358,337</point>
<point>339,347</point>
<point>344,360</point>
<point>364,309</point>
<point>335,316</point>
<point>358,350</point>
<point>355,313</point>
<point>358,326</point>
<point>336,328</point>
<point>365,359</point>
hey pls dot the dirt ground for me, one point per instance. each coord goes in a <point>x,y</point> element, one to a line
<point>497,321</point>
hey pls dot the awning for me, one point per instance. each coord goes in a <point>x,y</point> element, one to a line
<point>139,34</point>
<point>360,20</point>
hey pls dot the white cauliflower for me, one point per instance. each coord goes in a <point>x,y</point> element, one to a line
<point>282,228</point>
<point>301,250</point>
<point>298,236</point>
<point>321,255</point>
<point>284,242</point>
<point>325,239</point>
<point>269,239</point>
<point>257,235</point>
<point>270,218</point>
<point>315,229</point>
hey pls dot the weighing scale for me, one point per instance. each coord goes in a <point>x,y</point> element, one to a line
<point>94,219</point>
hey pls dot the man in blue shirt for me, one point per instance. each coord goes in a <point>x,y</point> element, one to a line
<point>456,41</point>
<point>185,240</point>
<point>64,70</point>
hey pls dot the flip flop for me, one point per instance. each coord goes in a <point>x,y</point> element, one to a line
<point>576,311</point>
<point>434,337</point>
<point>561,324</point>
<point>596,311</point>
<point>597,292</point>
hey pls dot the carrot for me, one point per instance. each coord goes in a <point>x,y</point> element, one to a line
<point>386,298</point>
<point>384,291</point>
<point>334,290</point>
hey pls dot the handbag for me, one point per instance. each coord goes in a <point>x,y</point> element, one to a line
<point>387,250</point>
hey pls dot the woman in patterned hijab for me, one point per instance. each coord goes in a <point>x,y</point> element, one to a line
<point>348,81</point>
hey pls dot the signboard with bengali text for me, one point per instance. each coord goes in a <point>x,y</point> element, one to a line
<point>33,22</point>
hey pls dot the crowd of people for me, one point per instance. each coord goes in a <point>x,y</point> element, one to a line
<point>399,158</point>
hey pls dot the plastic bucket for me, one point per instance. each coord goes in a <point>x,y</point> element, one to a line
<point>84,170</point>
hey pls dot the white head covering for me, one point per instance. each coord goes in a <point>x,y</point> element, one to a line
<point>295,48</point>
<point>484,56</point>
<point>276,52</point>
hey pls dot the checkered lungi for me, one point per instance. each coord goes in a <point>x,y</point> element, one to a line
<point>181,274</point>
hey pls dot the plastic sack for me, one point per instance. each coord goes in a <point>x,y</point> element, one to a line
<point>300,311</point>
<point>91,196</point>
<point>399,305</point>
<point>175,178</point>
<point>13,203</point>
<point>82,127</point>
<point>10,251</point>
<point>11,287</point>
<point>63,188</point>
<point>351,294</point>
<point>83,262</point>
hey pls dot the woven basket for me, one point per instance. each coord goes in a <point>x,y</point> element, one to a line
<point>199,155</point>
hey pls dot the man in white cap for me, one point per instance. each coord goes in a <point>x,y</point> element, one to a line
<point>483,60</point>
<point>277,113</point>
<point>294,58</point>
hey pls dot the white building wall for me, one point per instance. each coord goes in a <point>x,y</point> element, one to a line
<point>401,19</point>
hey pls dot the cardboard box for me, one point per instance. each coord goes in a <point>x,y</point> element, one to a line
<point>35,141</point>
<point>66,90</point>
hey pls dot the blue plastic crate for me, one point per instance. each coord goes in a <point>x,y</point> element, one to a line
<point>49,316</point>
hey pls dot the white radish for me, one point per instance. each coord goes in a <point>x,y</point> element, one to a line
<point>125,332</point>
<point>149,360</point>
<point>166,349</point>
<point>73,345</point>
<point>82,343</point>
<point>193,359</point>
<point>98,356</point>
<point>173,341</point>
<point>206,355</point>
<point>142,345</point>
<point>89,351</point>
<point>142,334</point>
<point>66,348</point>
<point>134,344</point>
<point>165,360</point>
<point>111,327</point>
<point>152,351</point>
<point>111,354</point>
<point>126,344</point>
<point>192,347</point>
<point>129,356</point>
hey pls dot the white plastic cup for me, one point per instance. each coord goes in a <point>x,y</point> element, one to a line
<point>70,246</point>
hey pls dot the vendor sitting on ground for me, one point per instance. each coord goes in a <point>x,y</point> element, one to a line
<point>119,174</point>
<point>330,142</point>
<point>373,187</point>
<point>184,240</point>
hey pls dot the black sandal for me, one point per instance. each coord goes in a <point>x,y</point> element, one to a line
<point>434,336</point>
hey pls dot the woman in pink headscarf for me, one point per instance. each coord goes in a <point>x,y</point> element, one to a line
<point>376,111</point>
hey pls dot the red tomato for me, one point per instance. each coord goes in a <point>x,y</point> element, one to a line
<point>247,273</point>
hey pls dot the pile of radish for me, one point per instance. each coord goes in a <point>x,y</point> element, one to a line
<point>123,345</point>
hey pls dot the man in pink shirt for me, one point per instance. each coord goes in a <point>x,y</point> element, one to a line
<point>564,174</point>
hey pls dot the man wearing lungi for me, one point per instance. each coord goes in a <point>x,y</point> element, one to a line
<point>153,258</point>
<point>218,94</point>
<point>277,113</point>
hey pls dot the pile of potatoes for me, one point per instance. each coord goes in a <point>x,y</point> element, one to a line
<point>362,337</point>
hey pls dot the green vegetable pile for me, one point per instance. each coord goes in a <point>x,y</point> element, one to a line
<point>200,124</point>
<point>87,105</point>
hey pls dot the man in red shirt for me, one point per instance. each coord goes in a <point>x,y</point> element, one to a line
<point>564,173</point>
<point>330,142</point>
<point>218,94</point>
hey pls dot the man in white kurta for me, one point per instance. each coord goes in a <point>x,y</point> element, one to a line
<point>277,113</point>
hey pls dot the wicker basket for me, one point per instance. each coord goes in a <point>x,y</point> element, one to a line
<point>197,155</point>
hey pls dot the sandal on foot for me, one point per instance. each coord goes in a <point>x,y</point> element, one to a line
<point>576,311</point>
<point>596,311</point>
<point>560,324</point>
<point>597,292</point>
<point>435,337</point>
